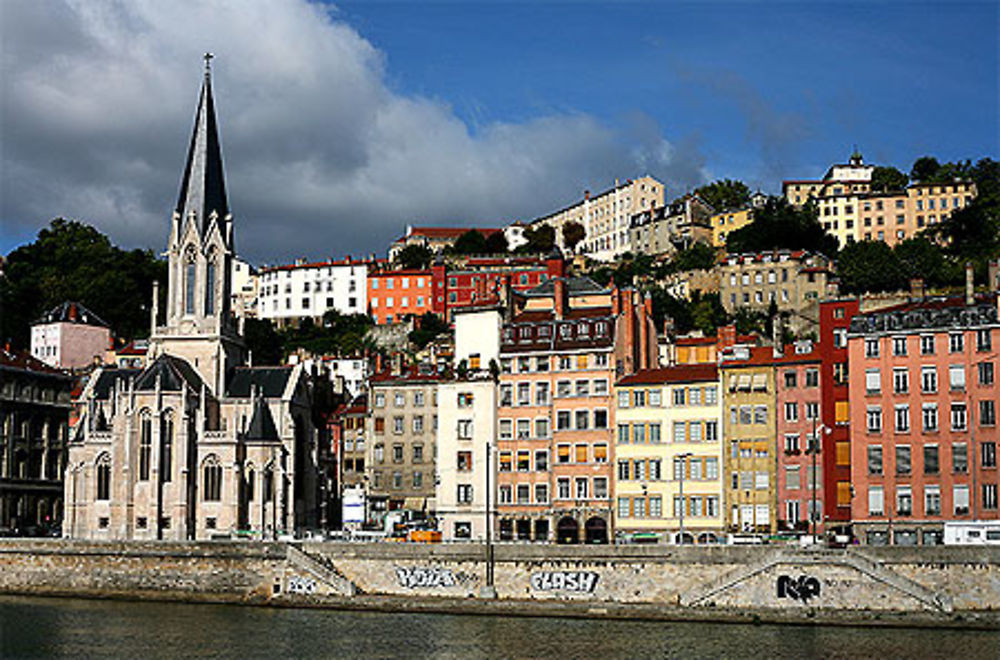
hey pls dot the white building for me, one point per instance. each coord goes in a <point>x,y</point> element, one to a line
<point>244,294</point>
<point>467,413</point>
<point>477,336</point>
<point>69,337</point>
<point>309,290</point>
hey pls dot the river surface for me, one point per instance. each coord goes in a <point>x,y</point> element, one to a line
<point>68,628</point>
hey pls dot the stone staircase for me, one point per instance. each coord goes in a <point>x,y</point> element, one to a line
<point>793,557</point>
<point>321,570</point>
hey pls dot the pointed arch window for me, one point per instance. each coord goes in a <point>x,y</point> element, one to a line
<point>210,286</point>
<point>104,477</point>
<point>145,445</point>
<point>190,281</point>
<point>248,485</point>
<point>212,485</point>
<point>166,446</point>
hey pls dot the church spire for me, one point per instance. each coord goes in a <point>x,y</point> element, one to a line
<point>203,188</point>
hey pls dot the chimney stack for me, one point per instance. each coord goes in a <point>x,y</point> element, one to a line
<point>970,284</point>
<point>916,289</point>
<point>778,348</point>
<point>559,297</point>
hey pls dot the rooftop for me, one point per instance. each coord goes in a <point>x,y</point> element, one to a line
<point>71,312</point>
<point>690,373</point>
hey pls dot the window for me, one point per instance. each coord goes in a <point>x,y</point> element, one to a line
<point>541,493</point>
<point>563,388</point>
<point>166,448</point>
<point>902,418</point>
<point>956,376</point>
<point>506,494</point>
<point>397,453</point>
<point>988,454</point>
<point>601,487</point>
<point>927,344</point>
<point>871,348</point>
<point>655,398</point>
<point>104,477</point>
<point>985,373</point>
<point>873,381</point>
<point>678,396</point>
<point>506,394</point>
<point>989,497</point>
<point>145,446</point>
<point>464,461</point>
<point>542,460</point>
<point>418,423</point>
<point>639,397</point>
<point>542,427</point>
<point>983,340</point>
<point>900,381</point>
<point>523,493</point>
<point>903,465</point>
<point>582,420</point>
<point>189,287</point>
<point>791,411</point>
<point>506,429</point>
<point>380,399</point>
<point>212,487</point>
<point>623,399</point>
<point>876,501</point>
<point>463,494</point>
<point>760,414</point>
<point>874,459</point>
<point>524,394</point>
<point>987,413</point>
<point>711,396</point>
<point>899,345</point>
<point>418,453</point>
<point>960,457</point>
<point>960,496</point>
<point>563,453</point>
<point>904,501</point>
<point>397,424</point>
<point>928,380</point>
<point>465,429</point>
<point>959,417</point>
<point>956,343</point>
<point>790,379</point>
<point>399,400</point>
<point>930,417</point>
<point>874,419</point>
<point>582,488</point>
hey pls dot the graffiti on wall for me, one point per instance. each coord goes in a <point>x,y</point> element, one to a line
<point>802,588</point>
<point>578,581</point>
<point>413,577</point>
<point>301,585</point>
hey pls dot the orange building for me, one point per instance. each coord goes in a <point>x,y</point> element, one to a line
<point>393,294</point>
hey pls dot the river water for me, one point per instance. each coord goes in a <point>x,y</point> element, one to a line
<point>68,628</point>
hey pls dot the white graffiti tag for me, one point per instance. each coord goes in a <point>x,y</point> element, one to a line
<point>581,581</point>
<point>301,585</point>
<point>425,576</point>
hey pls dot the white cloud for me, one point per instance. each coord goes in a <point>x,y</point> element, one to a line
<point>322,158</point>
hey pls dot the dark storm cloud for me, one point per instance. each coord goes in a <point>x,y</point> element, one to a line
<point>322,158</point>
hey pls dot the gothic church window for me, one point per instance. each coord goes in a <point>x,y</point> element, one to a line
<point>189,282</point>
<point>104,477</point>
<point>213,479</point>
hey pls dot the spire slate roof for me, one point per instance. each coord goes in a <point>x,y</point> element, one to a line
<point>71,312</point>
<point>262,426</point>
<point>203,188</point>
<point>173,372</point>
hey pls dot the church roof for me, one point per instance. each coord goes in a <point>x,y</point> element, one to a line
<point>173,373</point>
<point>271,381</point>
<point>203,188</point>
<point>262,426</point>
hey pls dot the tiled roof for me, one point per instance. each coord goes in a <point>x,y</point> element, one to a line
<point>678,374</point>
<point>945,312</point>
<point>24,361</point>
<point>764,355</point>
<point>72,312</point>
<point>575,286</point>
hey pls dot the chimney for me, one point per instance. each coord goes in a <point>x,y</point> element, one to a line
<point>994,275</point>
<point>778,348</point>
<point>396,364</point>
<point>916,289</point>
<point>970,284</point>
<point>616,303</point>
<point>629,312</point>
<point>559,297</point>
<point>726,335</point>
<point>644,315</point>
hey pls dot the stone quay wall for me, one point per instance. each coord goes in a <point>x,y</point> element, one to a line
<point>921,586</point>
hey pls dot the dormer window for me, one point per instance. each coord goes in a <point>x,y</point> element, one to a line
<point>566,331</point>
<point>544,331</point>
<point>583,330</point>
<point>601,329</point>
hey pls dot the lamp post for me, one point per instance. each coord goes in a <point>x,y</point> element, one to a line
<point>683,458</point>
<point>488,590</point>
<point>814,449</point>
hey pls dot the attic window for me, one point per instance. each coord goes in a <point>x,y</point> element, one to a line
<point>544,331</point>
<point>582,329</point>
<point>525,332</point>
<point>566,331</point>
<point>600,329</point>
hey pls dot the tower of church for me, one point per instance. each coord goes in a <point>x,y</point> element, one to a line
<point>199,325</point>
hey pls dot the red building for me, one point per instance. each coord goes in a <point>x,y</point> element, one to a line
<point>834,320</point>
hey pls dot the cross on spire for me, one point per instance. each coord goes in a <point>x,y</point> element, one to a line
<point>208,62</point>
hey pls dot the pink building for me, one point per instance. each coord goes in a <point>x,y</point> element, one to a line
<point>69,337</point>
<point>923,411</point>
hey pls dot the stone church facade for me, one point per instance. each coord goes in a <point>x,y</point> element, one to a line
<point>197,444</point>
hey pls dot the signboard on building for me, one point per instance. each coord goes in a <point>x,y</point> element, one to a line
<point>353,506</point>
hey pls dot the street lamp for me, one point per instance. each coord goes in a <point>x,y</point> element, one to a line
<point>814,449</point>
<point>683,458</point>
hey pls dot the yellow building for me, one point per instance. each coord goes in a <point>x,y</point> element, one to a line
<point>725,223</point>
<point>750,462</point>
<point>668,453</point>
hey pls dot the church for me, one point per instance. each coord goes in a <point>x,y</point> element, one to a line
<point>198,444</point>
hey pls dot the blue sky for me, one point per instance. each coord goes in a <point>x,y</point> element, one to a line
<point>342,123</point>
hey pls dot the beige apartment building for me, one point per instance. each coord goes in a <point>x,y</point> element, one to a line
<point>795,281</point>
<point>606,217</point>
<point>895,217</point>
<point>402,423</point>
<point>668,455</point>
<point>664,229</point>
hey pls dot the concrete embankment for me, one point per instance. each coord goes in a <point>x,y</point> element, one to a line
<point>871,586</point>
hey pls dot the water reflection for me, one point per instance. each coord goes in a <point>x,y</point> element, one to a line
<point>65,628</point>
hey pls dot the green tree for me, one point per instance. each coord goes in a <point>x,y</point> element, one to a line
<point>919,257</point>
<point>925,169</point>
<point>70,260</point>
<point>725,195</point>
<point>697,257</point>
<point>263,342</point>
<point>888,179</point>
<point>869,266</point>
<point>496,243</point>
<point>414,256</point>
<point>429,326</point>
<point>541,239</point>
<point>573,233</point>
<point>471,242</point>
<point>780,225</point>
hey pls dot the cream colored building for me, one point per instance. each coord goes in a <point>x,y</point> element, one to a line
<point>664,229</point>
<point>669,439</point>
<point>895,217</point>
<point>606,217</point>
<point>724,224</point>
<point>195,445</point>
<point>466,435</point>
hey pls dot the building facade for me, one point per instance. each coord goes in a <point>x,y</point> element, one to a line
<point>34,422</point>
<point>665,229</point>
<point>309,290</point>
<point>668,455</point>
<point>923,410</point>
